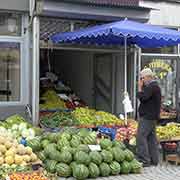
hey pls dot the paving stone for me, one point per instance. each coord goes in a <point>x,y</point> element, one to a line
<point>164,172</point>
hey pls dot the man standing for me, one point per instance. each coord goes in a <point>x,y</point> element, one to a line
<point>149,95</point>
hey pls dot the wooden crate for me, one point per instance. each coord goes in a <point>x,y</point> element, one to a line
<point>173,158</point>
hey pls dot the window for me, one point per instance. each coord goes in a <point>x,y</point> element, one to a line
<point>9,71</point>
<point>165,72</point>
<point>10,24</point>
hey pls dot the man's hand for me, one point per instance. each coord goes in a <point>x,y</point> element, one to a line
<point>140,85</point>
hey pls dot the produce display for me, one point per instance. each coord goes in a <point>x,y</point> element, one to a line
<point>52,101</point>
<point>5,170</point>
<point>27,176</point>
<point>69,154</point>
<point>171,130</point>
<point>127,132</point>
<point>12,153</point>
<point>80,117</point>
<point>58,119</point>
<point>15,126</point>
<point>87,116</point>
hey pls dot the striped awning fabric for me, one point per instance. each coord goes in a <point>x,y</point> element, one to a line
<point>133,3</point>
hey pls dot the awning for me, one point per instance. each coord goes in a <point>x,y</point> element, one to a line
<point>131,3</point>
<point>143,35</point>
<point>92,10</point>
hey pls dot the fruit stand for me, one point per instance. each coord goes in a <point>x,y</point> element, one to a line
<point>33,153</point>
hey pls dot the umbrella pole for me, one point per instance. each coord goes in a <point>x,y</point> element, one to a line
<point>125,74</point>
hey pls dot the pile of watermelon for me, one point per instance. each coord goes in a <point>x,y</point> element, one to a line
<point>69,155</point>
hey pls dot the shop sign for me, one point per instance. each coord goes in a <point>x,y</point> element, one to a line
<point>160,67</point>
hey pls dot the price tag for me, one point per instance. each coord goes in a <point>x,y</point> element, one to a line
<point>7,178</point>
<point>94,147</point>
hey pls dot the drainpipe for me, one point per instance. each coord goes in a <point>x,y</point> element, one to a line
<point>35,71</point>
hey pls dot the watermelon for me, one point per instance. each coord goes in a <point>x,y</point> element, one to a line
<point>66,136</point>
<point>73,164</point>
<point>65,157</point>
<point>105,143</point>
<point>41,156</point>
<point>125,167</point>
<point>83,147</point>
<point>76,137</point>
<point>136,166</point>
<point>55,155</point>
<point>90,139</point>
<point>118,154</point>
<point>49,149</point>
<point>104,169</point>
<point>61,143</point>
<point>94,171</point>
<point>44,143</point>
<point>51,166</point>
<point>52,137</point>
<point>107,156</point>
<point>63,170</point>
<point>129,156</point>
<point>115,168</point>
<point>34,144</point>
<point>75,142</point>
<point>80,172</point>
<point>82,158</point>
<point>83,132</point>
<point>67,148</point>
<point>95,157</point>
<point>119,144</point>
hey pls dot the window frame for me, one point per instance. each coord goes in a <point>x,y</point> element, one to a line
<point>23,41</point>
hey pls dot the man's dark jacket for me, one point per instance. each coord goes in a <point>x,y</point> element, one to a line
<point>150,101</point>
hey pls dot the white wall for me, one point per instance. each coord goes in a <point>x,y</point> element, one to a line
<point>20,5</point>
<point>163,13</point>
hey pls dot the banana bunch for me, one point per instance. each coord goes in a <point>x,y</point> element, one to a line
<point>105,118</point>
<point>85,116</point>
<point>169,131</point>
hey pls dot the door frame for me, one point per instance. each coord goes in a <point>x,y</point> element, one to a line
<point>113,80</point>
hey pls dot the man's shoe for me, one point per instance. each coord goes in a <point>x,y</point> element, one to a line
<point>145,165</point>
<point>154,164</point>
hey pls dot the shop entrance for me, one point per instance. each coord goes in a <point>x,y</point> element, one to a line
<point>89,74</point>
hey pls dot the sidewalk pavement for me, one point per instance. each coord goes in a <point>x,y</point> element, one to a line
<point>164,172</point>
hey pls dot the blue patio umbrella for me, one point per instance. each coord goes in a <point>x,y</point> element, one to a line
<point>121,33</point>
<point>125,33</point>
